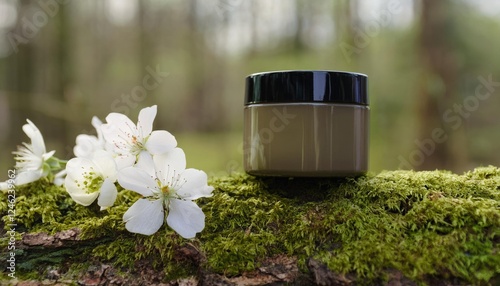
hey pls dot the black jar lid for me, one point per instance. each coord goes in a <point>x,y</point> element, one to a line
<point>306,86</point>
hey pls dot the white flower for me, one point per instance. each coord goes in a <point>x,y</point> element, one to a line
<point>166,184</point>
<point>4,186</point>
<point>88,179</point>
<point>60,177</point>
<point>86,145</point>
<point>128,140</point>
<point>32,160</point>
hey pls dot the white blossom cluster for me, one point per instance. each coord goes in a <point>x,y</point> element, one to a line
<point>130,155</point>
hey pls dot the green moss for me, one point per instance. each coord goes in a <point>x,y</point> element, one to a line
<point>424,224</point>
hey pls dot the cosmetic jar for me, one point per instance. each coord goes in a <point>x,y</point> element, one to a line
<point>306,124</point>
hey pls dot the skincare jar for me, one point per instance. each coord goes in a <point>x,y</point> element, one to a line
<point>306,124</point>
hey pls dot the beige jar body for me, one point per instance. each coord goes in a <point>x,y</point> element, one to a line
<point>306,139</point>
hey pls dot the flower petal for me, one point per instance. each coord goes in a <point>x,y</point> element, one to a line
<point>193,184</point>
<point>137,180</point>
<point>145,122</point>
<point>160,141</point>
<point>83,198</point>
<point>48,155</point>
<point>119,131</point>
<point>106,164</point>
<point>26,177</point>
<point>118,122</point>
<point>186,218</point>
<point>79,169</point>
<point>145,162</point>
<point>36,137</point>
<point>108,193</point>
<point>77,193</point>
<point>96,122</point>
<point>4,186</point>
<point>85,145</point>
<point>144,216</point>
<point>125,160</point>
<point>60,177</point>
<point>169,165</point>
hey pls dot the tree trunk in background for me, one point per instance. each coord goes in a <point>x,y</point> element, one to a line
<point>438,89</point>
<point>195,111</point>
<point>19,81</point>
<point>346,27</point>
<point>204,107</point>
<point>101,51</point>
<point>145,45</point>
<point>63,79</point>
<point>300,7</point>
<point>254,21</point>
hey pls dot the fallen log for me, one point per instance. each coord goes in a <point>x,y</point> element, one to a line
<point>392,228</point>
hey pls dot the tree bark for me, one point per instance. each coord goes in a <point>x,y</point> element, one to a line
<point>204,105</point>
<point>20,79</point>
<point>438,89</point>
<point>276,270</point>
<point>261,231</point>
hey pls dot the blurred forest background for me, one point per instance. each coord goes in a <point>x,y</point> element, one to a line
<point>433,67</point>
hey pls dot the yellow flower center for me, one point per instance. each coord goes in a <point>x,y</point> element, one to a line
<point>91,183</point>
<point>165,190</point>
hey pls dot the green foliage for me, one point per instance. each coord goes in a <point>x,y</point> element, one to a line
<point>424,224</point>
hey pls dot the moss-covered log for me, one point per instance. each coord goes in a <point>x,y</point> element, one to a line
<point>405,227</point>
